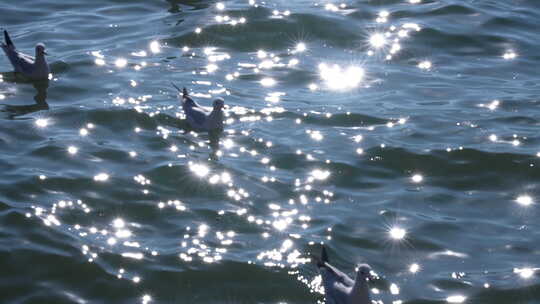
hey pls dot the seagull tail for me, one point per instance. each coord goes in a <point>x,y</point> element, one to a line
<point>177,88</point>
<point>324,255</point>
<point>9,43</point>
<point>323,259</point>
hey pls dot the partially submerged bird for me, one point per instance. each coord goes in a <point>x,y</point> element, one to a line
<point>32,68</point>
<point>339,288</point>
<point>199,117</point>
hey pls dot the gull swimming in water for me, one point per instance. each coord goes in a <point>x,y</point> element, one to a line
<point>339,288</point>
<point>33,68</point>
<point>199,117</point>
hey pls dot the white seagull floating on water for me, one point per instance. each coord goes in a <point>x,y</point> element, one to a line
<point>339,288</point>
<point>33,68</point>
<point>199,117</point>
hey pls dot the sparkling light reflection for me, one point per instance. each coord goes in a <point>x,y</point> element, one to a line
<point>397,233</point>
<point>120,62</point>
<point>301,47</point>
<point>509,55</point>
<point>524,200</point>
<point>199,169</point>
<point>456,299</point>
<point>377,40</point>
<point>101,177</point>
<point>72,150</point>
<point>155,47</point>
<point>425,65</point>
<point>524,273</point>
<point>268,82</point>
<point>146,299</point>
<point>320,175</point>
<point>337,78</point>
<point>417,178</point>
<point>414,268</point>
<point>42,122</point>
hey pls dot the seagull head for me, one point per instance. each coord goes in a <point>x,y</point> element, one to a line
<point>364,272</point>
<point>40,49</point>
<point>219,103</point>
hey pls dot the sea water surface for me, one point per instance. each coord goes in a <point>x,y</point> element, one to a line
<point>400,133</point>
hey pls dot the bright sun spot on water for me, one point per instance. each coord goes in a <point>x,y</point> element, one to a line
<point>72,150</point>
<point>146,299</point>
<point>417,178</point>
<point>524,200</point>
<point>154,47</point>
<point>261,54</point>
<point>42,122</point>
<point>414,268</point>
<point>425,65</point>
<point>118,223</point>
<point>377,40</point>
<point>102,177</point>
<point>120,62</point>
<point>397,233</point>
<point>456,299</point>
<point>493,105</point>
<point>319,174</point>
<point>394,289</point>
<point>525,273</point>
<point>510,55</point>
<point>211,68</point>
<point>301,47</point>
<point>268,82</point>
<point>337,78</point>
<point>200,170</point>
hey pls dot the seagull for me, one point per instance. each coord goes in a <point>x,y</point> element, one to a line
<point>33,68</point>
<point>339,288</point>
<point>202,118</point>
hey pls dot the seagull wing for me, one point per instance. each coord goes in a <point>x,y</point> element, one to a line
<point>339,275</point>
<point>21,62</point>
<point>336,292</point>
<point>196,114</point>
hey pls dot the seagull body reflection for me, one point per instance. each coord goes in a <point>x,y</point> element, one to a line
<point>40,98</point>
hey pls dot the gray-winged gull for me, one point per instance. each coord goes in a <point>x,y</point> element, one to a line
<point>33,68</point>
<point>339,288</point>
<point>199,117</point>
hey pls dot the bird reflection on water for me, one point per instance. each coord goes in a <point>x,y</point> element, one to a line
<point>13,111</point>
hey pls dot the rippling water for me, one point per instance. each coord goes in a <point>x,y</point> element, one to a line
<point>399,133</point>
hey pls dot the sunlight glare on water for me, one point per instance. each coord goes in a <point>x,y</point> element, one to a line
<point>337,78</point>
<point>456,299</point>
<point>42,122</point>
<point>397,233</point>
<point>360,125</point>
<point>524,273</point>
<point>377,40</point>
<point>524,200</point>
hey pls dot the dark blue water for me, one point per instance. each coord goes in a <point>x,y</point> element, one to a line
<point>402,133</point>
